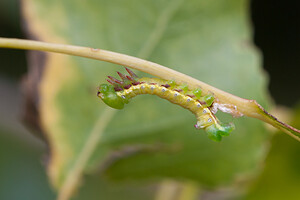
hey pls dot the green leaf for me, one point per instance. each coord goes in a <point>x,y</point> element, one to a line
<point>280,177</point>
<point>96,187</point>
<point>21,169</point>
<point>209,40</point>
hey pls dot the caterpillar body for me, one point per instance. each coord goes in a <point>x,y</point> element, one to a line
<point>119,93</point>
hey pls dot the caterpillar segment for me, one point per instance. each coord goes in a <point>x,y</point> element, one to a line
<point>120,92</point>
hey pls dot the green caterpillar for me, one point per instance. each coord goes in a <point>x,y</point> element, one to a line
<point>119,93</point>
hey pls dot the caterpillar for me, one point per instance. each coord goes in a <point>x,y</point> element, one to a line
<point>119,93</point>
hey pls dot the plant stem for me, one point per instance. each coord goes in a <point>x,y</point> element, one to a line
<point>245,107</point>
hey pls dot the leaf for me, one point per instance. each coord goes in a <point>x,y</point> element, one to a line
<point>96,187</point>
<point>209,40</point>
<point>20,167</point>
<point>280,177</point>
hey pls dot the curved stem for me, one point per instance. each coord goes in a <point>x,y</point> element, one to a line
<point>245,107</point>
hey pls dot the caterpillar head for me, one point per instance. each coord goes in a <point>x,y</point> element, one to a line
<point>217,131</point>
<point>109,96</point>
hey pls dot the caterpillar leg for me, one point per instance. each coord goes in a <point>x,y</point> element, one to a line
<point>217,131</point>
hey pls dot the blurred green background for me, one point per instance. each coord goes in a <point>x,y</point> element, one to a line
<point>23,156</point>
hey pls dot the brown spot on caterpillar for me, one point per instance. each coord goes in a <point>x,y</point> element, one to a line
<point>152,83</point>
<point>178,90</point>
<point>189,95</point>
<point>166,85</point>
<point>136,83</point>
<point>202,102</point>
<point>127,86</point>
<point>117,89</point>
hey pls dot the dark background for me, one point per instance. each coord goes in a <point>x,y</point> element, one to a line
<point>277,34</point>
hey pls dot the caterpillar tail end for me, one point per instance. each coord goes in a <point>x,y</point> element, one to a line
<point>217,131</point>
